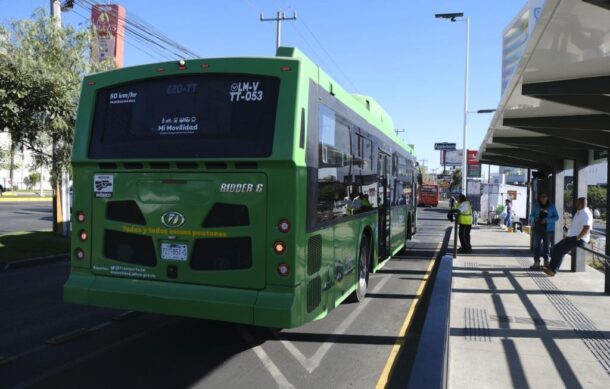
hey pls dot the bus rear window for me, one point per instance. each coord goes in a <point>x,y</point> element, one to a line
<point>199,116</point>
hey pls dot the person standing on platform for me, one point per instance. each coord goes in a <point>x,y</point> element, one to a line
<point>543,217</point>
<point>464,219</point>
<point>579,234</point>
<point>509,214</point>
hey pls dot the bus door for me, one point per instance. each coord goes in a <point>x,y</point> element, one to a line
<point>383,171</point>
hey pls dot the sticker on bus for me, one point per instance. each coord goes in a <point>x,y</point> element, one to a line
<point>103,185</point>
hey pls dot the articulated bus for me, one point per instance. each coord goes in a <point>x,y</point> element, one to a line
<point>248,190</point>
<point>428,195</point>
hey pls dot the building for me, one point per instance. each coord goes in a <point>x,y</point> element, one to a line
<point>24,166</point>
<point>516,37</point>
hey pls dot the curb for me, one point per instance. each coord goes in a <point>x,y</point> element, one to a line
<point>34,261</point>
<point>25,199</point>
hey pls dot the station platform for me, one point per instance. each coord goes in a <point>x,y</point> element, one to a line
<point>516,328</point>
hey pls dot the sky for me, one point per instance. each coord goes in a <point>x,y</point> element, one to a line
<point>392,50</point>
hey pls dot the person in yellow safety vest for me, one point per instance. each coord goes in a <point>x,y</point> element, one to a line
<point>464,219</point>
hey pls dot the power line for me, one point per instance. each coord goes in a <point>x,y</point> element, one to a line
<point>330,57</point>
<point>139,23</point>
<point>142,33</point>
<point>139,29</point>
<point>159,51</point>
<point>154,55</point>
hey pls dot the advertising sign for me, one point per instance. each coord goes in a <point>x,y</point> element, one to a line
<point>109,23</point>
<point>444,146</point>
<point>472,157</point>
<point>451,157</point>
<point>474,187</point>
<point>474,166</point>
<point>474,171</point>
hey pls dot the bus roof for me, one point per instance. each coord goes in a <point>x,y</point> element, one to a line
<point>365,106</point>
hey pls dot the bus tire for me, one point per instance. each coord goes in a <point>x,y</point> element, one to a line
<point>364,255</point>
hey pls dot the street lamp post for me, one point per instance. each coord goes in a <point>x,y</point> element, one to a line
<point>454,17</point>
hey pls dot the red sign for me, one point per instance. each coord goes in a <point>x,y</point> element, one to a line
<point>472,157</point>
<point>109,23</point>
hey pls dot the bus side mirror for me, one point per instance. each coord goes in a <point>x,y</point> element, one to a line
<point>419,179</point>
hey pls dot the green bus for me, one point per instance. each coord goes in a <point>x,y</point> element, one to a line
<point>249,190</point>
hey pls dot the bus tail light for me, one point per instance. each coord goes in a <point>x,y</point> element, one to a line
<point>80,216</point>
<point>283,269</point>
<point>284,226</point>
<point>83,235</point>
<point>279,247</point>
<point>79,254</point>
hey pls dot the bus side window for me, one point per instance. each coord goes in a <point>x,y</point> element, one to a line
<point>335,165</point>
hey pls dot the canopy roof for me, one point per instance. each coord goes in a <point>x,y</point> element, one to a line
<point>557,105</point>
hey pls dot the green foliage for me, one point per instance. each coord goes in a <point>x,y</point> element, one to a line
<point>456,182</point>
<point>5,156</point>
<point>33,179</point>
<point>596,197</point>
<point>41,69</point>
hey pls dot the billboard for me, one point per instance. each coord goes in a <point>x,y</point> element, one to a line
<point>109,23</point>
<point>474,166</point>
<point>451,157</point>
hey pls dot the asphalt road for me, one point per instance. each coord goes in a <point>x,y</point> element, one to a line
<point>48,344</point>
<point>25,216</point>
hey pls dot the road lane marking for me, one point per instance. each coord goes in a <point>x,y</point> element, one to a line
<point>272,368</point>
<point>312,363</point>
<point>69,365</point>
<point>58,340</point>
<point>406,325</point>
<point>124,315</point>
<point>68,336</point>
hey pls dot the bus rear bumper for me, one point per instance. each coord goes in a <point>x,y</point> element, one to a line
<point>273,308</point>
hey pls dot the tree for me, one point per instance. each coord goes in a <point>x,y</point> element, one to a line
<point>4,159</point>
<point>596,197</point>
<point>41,70</point>
<point>456,181</point>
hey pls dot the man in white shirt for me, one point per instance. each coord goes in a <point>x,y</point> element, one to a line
<point>579,234</point>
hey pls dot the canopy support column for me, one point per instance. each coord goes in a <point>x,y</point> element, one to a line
<point>558,187</point>
<point>579,190</point>
<point>607,262</point>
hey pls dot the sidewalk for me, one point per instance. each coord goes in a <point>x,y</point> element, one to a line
<point>515,328</point>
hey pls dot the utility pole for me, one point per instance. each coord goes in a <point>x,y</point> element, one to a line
<point>56,12</point>
<point>279,19</point>
<point>61,207</point>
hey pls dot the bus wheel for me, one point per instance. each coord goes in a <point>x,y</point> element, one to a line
<point>363,270</point>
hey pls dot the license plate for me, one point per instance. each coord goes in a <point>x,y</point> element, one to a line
<point>174,251</point>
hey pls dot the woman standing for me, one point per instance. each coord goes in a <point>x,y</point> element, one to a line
<point>543,218</point>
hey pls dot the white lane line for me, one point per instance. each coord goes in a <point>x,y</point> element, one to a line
<point>275,372</point>
<point>69,365</point>
<point>312,363</point>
